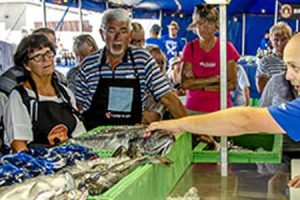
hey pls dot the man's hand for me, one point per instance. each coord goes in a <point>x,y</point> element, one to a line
<point>168,125</point>
<point>207,138</point>
<point>295,182</point>
<point>150,116</point>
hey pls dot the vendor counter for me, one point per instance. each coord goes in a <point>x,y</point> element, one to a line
<point>152,182</point>
<point>244,181</point>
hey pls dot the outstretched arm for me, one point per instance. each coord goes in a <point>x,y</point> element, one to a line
<point>230,122</point>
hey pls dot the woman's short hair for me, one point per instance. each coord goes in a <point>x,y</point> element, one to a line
<point>30,44</point>
<point>154,49</point>
<point>281,26</point>
<point>84,41</point>
<point>206,12</point>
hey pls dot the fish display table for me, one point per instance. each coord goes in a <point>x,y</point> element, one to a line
<point>153,182</point>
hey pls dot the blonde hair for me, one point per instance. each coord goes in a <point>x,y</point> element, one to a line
<point>281,26</point>
<point>137,27</point>
<point>154,49</point>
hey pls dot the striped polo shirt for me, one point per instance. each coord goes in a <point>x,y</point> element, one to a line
<point>151,77</point>
<point>269,66</point>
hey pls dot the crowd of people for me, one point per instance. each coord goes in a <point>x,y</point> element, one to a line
<point>137,80</point>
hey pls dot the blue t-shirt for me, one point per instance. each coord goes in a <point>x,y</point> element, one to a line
<point>173,46</point>
<point>287,115</point>
<point>264,44</point>
<point>155,42</point>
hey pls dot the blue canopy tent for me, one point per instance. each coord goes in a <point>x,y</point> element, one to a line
<point>252,16</point>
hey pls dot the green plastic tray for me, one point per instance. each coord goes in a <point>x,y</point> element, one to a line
<point>272,144</point>
<point>153,182</point>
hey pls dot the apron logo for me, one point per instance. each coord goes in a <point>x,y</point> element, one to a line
<point>108,115</point>
<point>59,133</point>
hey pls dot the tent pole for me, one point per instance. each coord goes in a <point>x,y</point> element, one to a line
<point>62,19</point>
<point>223,62</point>
<point>160,17</point>
<point>80,17</point>
<point>243,33</point>
<point>276,12</point>
<point>44,13</point>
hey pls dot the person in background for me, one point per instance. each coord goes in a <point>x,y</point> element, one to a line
<point>174,76</point>
<point>277,119</point>
<point>113,84</point>
<point>41,110</point>
<point>83,46</point>
<point>200,74</point>
<point>6,53</point>
<point>241,95</point>
<point>159,57</point>
<point>173,44</point>
<point>273,64</point>
<point>137,35</point>
<point>155,110</point>
<point>277,91</point>
<point>48,32</point>
<point>154,39</point>
<point>265,43</point>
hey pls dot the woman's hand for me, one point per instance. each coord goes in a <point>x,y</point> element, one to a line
<point>19,145</point>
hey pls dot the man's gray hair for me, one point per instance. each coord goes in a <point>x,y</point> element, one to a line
<point>118,14</point>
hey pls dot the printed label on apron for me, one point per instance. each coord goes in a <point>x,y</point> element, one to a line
<point>120,99</point>
<point>60,132</point>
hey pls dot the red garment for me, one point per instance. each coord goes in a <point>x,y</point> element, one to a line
<point>206,64</point>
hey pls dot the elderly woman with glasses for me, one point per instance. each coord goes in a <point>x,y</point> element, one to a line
<point>201,63</point>
<point>41,111</point>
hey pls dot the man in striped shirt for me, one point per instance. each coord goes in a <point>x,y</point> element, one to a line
<point>113,83</point>
<point>273,64</point>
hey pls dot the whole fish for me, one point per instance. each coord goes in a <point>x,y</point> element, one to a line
<point>158,144</point>
<point>42,187</point>
<point>100,181</point>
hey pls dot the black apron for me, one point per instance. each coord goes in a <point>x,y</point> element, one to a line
<point>117,101</point>
<point>50,118</point>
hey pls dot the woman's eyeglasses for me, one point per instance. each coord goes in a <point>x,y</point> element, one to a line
<point>40,57</point>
